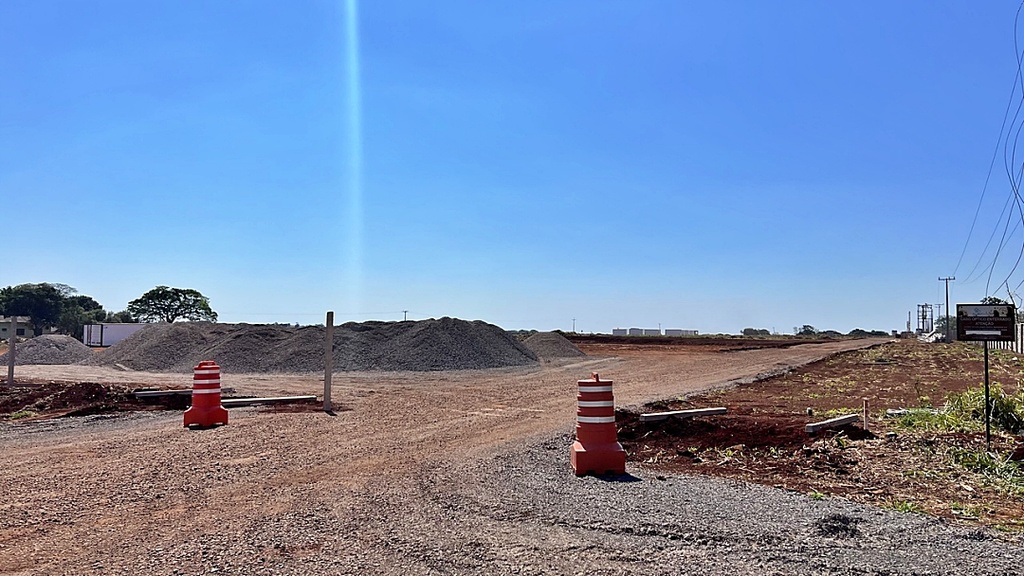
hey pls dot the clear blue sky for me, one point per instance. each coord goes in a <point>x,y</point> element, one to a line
<point>705,165</point>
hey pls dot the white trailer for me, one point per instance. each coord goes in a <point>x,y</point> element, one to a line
<point>104,335</point>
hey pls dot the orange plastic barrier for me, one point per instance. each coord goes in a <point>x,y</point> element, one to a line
<point>597,449</point>
<point>206,409</point>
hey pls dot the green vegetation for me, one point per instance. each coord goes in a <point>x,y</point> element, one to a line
<point>21,414</point>
<point>51,305</point>
<point>165,304</point>
<point>965,412</point>
<point>997,471</point>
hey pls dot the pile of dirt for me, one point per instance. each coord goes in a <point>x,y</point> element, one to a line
<point>426,345</point>
<point>49,349</point>
<point>550,345</point>
<point>67,399</point>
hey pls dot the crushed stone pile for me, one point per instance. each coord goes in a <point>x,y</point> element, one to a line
<point>49,349</point>
<point>425,345</point>
<point>550,345</point>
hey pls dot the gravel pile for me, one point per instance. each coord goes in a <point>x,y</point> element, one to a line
<point>426,345</point>
<point>49,349</point>
<point>550,345</point>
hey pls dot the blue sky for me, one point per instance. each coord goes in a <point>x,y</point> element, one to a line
<point>704,165</point>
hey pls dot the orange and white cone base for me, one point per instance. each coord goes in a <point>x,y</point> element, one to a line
<point>597,449</point>
<point>206,409</point>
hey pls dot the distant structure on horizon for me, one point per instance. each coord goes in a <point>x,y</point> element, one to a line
<point>653,332</point>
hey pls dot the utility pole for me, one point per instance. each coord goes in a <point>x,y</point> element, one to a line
<point>405,315</point>
<point>946,280</point>
<point>573,325</point>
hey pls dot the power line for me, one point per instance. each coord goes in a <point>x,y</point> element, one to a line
<point>1013,209</point>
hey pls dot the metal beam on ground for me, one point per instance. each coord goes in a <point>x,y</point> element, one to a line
<point>656,416</point>
<point>833,423</point>
<point>239,402</point>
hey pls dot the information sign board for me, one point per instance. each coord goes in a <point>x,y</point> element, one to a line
<point>985,322</point>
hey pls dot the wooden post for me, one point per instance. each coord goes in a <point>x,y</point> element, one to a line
<point>328,360</point>
<point>12,335</point>
<point>865,414</point>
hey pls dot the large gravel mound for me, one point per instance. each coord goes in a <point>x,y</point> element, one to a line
<point>49,349</point>
<point>445,344</point>
<point>549,345</point>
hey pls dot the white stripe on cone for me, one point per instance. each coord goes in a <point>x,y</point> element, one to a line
<point>595,419</point>
<point>595,388</point>
<point>207,391</point>
<point>597,403</point>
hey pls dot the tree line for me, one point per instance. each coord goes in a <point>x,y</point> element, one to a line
<point>808,330</point>
<point>59,306</point>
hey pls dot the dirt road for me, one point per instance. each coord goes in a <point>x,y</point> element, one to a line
<point>419,473</point>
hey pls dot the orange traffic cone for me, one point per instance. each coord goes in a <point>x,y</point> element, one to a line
<point>206,409</point>
<point>597,449</point>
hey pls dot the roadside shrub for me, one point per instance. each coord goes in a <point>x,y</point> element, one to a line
<point>965,412</point>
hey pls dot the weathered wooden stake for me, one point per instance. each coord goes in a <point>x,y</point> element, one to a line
<point>328,360</point>
<point>865,414</point>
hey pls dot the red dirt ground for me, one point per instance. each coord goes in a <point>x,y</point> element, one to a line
<point>762,437</point>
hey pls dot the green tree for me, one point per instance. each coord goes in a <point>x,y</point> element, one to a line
<point>992,300</point>
<point>164,304</point>
<point>78,311</point>
<point>805,330</point>
<point>43,303</point>
<point>756,332</point>
<point>122,317</point>
<point>940,326</point>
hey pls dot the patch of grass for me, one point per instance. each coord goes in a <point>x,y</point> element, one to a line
<point>965,412</point>
<point>815,495</point>
<point>21,414</point>
<point>935,421</point>
<point>1000,472</point>
<point>834,412</point>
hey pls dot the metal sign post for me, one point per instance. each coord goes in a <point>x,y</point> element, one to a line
<point>986,323</point>
<point>988,407</point>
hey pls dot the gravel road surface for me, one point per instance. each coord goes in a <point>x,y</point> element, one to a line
<point>432,473</point>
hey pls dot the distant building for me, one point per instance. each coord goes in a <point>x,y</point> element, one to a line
<point>678,332</point>
<point>23,327</point>
<point>652,331</point>
<point>635,332</point>
<point>619,332</point>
